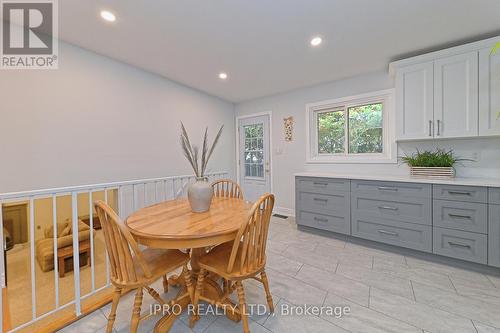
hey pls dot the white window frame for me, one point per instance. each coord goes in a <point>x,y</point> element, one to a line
<point>386,97</point>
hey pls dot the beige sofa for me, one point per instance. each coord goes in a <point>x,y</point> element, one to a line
<point>45,246</point>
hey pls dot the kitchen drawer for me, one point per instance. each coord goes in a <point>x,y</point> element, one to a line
<point>330,204</point>
<point>494,195</point>
<point>391,189</point>
<point>463,245</point>
<point>411,210</point>
<point>494,235</point>
<point>413,236</point>
<point>340,224</point>
<point>466,216</point>
<point>461,193</point>
<point>322,185</point>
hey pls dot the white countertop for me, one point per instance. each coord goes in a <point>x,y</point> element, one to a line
<point>491,182</point>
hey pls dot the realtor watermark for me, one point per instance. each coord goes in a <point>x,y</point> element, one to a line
<point>284,309</point>
<point>29,33</point>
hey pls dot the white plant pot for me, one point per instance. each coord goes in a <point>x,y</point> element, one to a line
<point>200,195</point>
<point>428,172</point>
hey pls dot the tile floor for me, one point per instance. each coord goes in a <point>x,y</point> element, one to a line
<point>384,291</point>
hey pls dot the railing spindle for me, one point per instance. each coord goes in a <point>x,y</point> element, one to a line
<point>91,222</point>
<point>56,266</point>
<point>32,261</point>
<point>76,252</point>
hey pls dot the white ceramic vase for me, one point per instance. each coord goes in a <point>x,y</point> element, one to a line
<point>200,195</point>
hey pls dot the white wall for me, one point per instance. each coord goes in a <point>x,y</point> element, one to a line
<point>293,158</point>
<point>98,120</point>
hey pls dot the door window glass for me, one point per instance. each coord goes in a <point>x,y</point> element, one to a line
<point>254,150</point>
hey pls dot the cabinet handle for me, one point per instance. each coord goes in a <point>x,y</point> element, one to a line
<point>385,188</point>
<point>460,216</point>
<point>320,199</point>
<point>320,184</point>
<point>388,233</point>
<point>430,127</point>
<point>459,245</point>
<point>318,219</point>
<point>459,193</point>
<point>388,207</point>
<point>438,125</point>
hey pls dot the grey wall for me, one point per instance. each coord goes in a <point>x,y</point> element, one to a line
<point>98,120</point>
<point>293,158</point>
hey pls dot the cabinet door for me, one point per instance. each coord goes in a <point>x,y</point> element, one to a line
<point>414,101</point>
<point>489,92</point>
<point>456,96</point>
<point>494,236</point>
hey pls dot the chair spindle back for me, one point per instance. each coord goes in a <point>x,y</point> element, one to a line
<point>226,188</point>
<point>121,247</point>
<point>250,243</point>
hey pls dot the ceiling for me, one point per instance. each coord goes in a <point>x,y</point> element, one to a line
<point>263,45</point>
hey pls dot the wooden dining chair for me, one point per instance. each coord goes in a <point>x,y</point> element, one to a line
<point>242,259</point>
<point>226,188</point>
<point>131,268</point>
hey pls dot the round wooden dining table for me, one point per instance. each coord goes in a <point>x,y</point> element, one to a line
<point>172,225</point>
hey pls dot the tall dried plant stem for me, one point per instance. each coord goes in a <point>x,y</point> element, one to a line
<point>192,152</point>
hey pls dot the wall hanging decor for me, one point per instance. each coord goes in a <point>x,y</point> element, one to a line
<point>288,127</point>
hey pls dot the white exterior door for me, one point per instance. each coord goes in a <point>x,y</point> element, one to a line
<point>456,96</point>
<point>254,156</point>
<point>414,100</point>
<point>489,92</point>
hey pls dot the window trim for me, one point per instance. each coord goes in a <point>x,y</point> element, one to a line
<point>388,129</point>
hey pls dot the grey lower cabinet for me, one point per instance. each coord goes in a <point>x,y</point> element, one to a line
<point>323,204</point>
<point>463,245</point>
<point>461,222</point>
<point>410,235</point>
<point>392,213</point>
<point>494,235</point>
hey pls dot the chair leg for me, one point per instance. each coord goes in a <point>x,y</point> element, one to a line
<point>224,285</point>
<point>242,306</point>
<point>155,295</point>
<point>165,283</point>
<point>112,315</point>
<point>136,312</point>
<point>269,298</point>
<point>189,284</point>
<point>196,298</point>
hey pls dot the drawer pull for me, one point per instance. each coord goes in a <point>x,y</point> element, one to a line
<point>320,184</point>
<point>388,208</point>
<point>388,232</point>
<point>319,219</point>
<point>320,199</point>
<point>459,245</point>
<point>385,188</point>
<point>459,193</point>
<point>460,216</point>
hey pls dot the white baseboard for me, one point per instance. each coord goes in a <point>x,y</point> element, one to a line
<point>284,211</point>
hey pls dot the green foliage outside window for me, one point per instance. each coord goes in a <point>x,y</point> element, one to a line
<point>331,132</point>
<point>365,130</point>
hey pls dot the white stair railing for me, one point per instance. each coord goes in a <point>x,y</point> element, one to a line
<point>131,196</point>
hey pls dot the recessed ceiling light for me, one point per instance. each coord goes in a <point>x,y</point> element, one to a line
<point>315,41</point>
<point>222,76</point>
<point>108,16</point>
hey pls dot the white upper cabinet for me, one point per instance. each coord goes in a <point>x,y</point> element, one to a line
<point>489,92</point>
<point>452,93</point>
<point>414,101</point>
<point>456,96</point>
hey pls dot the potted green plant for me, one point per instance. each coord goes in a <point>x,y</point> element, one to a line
<point>200,192</point>
<point>432,164</point>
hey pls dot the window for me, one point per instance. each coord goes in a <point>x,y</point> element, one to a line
<point>352,129</point>
<point>254,150</point>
